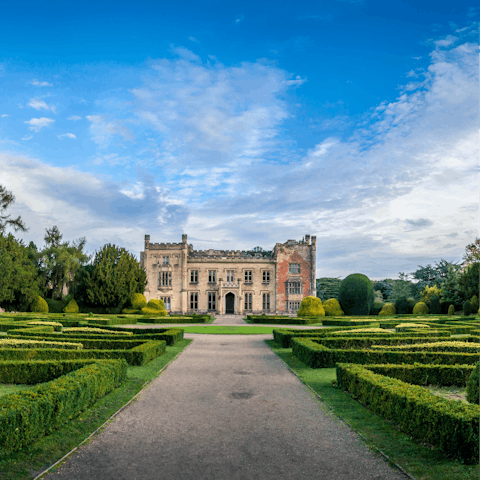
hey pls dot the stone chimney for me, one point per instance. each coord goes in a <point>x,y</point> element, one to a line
<point>314,240</point>
<point>147,241</point>
<point>307,239</point>
<point>184,238</point>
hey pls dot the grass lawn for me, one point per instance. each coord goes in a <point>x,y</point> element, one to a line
<point>420,461</point>
<point>34,459</point>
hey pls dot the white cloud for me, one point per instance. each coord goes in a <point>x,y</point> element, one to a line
<point>193,39</point>
<point>67,135</point>
<point>296,82</point>
<point>239,19</point>
<point>185,53</point>
<point>5,115</point>
<point>29,137</point>
<point>38,123</point>
<point>74,117</point>
<point>39,104</point>
<point>37,83</point>
<point>103,129</point>
<point>446,42</point>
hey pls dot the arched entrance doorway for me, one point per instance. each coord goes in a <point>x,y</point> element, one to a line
<point>229,303</point>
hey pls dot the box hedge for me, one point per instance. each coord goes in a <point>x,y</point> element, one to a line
<point>30,414</point>
<point>315,355</point>
<point>453,427</point>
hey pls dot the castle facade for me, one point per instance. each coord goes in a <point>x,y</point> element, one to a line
<point>229,281</point>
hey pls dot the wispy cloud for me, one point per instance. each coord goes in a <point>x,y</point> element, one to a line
<point>5,115</point>
<point>193,39</point>
<point>29,137</point>
<point>239,19</point>
<point>39,104</point>
<point>67,135</point>
<point>74,117</point>
<point>103,129</point>
<point>38,123</point>
<point>38,83</point>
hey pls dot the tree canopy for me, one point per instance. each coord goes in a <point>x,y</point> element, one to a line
<point>7,199</point>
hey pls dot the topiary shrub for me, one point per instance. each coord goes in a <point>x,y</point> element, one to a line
<point>472,386</point>
<point>332,308</point>
<point>451,310</point>
<point>474,303</point>
<point>420,308</point>
<point>130,311</point>
<point>388,309</point>
<point>158,304</point>
<point>138,301</point>
<point>356,296</point>
<point>435,305</point>
<point>402,306</point>
<point>444,306</point>
<point>39,305</point>
<point>411,302</point>
<point>376,308</point>
<point>154,311</point>
<point>429,292</point>
<point>311,307</point>
<point>72,307</point>
<point>467,308</point>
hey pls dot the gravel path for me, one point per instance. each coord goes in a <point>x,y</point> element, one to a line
<point>226,408</point>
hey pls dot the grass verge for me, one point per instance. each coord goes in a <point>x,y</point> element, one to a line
<point>34,459</point>
<point>420,461</point>
<point>230,329</point>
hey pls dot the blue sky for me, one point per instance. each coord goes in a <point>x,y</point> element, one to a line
<point>245,125</point>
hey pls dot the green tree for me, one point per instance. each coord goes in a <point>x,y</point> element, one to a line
<point>61,262</point>
<point>451,289</point>
<point>401,287</point>
<point>19,277</point>
<point>7,199</point>
<point>328,287</point>
<point>114,276</point>
<point>469,281</point>
<point>472,253</point>
<point>386,287</point>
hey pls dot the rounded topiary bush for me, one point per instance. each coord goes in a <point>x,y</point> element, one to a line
<point>39,305</point>
<point>451,310</point>
<point>472,386</point>
<point>376,308</point>
<point>467,308</point>
<point>138,301</point>
<point>356,296</point>
<point>157,304</point>
<point>311,307</point>
<point>434,306</point>
<point>420,308</point>
<point>402,306</point>
<point>332,308</point>
<point>72,307</point>
<point>388,309</point>
<point>474,304</point>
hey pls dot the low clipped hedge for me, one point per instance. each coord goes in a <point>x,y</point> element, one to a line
<point>31,372</point>
<point>158,319</point>
<point>170,335</point>
<point>285,320</point>
<point>139,355</point>
<point>468,347</point>
<point>30,414</point>
<point>473,394</point>
<point>315,355</point>
<point>283,336</point>
<point>9,342</point>
<point>384,342</point>
<point>424,374</point>
<point>111,321</point>
<point>453,427</point>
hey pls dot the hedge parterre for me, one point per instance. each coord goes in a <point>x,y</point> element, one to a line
<point>28,415</point>
<point>453,427</point>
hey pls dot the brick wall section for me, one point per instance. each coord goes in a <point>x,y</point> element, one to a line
<point>300,254</point>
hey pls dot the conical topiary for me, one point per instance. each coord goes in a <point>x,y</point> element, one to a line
<point>39,305</point>
<point>72,307</point>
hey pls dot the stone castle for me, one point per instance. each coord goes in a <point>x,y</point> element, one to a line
<point>229,281</point>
